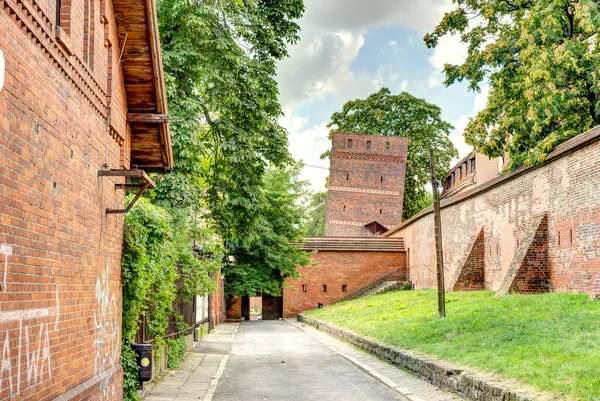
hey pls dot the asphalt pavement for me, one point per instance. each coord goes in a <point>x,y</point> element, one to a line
<point>274,360</point>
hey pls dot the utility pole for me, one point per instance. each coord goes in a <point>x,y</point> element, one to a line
<point>439,255</point>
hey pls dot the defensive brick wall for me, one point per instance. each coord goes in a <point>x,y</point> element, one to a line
<point>60,284</point>
<point>342,272</point>
<point>541,228</point>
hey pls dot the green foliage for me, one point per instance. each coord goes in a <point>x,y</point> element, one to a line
<point>403,115</point>
<point>551,341</point>
<point>264,261</point>
<point>541,60</point>
<point>130,372</point>
<point>146,264</point>
<point>175,351</point>
<point>219,60</point>
<point>159,267</point>
<point>317,209</point>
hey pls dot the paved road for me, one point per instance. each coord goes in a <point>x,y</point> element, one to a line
<point>274,360</point>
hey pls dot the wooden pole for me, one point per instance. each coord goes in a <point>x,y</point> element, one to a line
<point>437,222</point>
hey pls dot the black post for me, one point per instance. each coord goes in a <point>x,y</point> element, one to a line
<point>437,222</point>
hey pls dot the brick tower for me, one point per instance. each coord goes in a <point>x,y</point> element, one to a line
<point>366,184</point>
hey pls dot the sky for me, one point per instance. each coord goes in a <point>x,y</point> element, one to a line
<point>349,49</point>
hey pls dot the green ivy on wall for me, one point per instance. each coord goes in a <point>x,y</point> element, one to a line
<point>159,268</point>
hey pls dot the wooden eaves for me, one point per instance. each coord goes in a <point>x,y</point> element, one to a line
<point>141,63</point>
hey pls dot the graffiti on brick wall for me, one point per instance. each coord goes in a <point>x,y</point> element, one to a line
<point>106,329</point>
<point>6,252</point>
<point>27,347</point>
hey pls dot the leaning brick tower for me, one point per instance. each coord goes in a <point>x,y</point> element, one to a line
<point>366,184</point>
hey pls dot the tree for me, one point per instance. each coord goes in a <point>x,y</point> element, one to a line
<point>219,59</point>
<point>403,115</point>
<point>541,61</point>
<point>264,261</point>
<point>317,210</point>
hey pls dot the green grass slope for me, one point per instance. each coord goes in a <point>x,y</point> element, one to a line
<point>550,341</point>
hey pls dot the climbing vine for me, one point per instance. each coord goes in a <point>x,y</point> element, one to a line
<point>160,266</point>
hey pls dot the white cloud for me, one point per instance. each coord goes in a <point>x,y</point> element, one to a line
<point>403,85</point>
<point>479,103</point>
<point>420,16</point>
<point>450,50</point>
<point>321,67</point>
<point>331,38</point>
<point>481,99</point>
<point>307,142</point>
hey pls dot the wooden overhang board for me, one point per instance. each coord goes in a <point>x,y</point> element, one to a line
<point>141,62</point>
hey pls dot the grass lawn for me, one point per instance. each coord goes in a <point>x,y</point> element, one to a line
<point>550,341</point>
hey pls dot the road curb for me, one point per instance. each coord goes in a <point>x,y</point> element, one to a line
<point>407,394</point>
<point>442,375</point>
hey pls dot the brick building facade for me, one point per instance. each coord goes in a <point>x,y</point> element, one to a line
<point>534,230</point>
<point>83,93</point>
<point>366,184</point>
<point>340,267</point>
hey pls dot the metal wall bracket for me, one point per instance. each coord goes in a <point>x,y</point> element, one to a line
<point>129,174</point>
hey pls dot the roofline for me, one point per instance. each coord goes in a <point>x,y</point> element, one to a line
<point>373,135</point>
<point>464,159</point>
<point>159,82</point>
<point>352,244</point>
<point>580,141</point>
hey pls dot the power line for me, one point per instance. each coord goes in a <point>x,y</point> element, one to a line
<point>310,165</point>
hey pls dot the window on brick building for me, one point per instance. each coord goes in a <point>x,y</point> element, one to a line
<point>344,288</point>
<point>303,287</point>
<point>380,211</point>
<point>381,180</point>
<point>368,145</point>
<point>350,144</point>
<point>347,177</point>
<point>472,165</point>
<point>58,7</point>
<point>571,235</point>
<point>324,288</point>
<point>344,209</point>
<point>88,33</point>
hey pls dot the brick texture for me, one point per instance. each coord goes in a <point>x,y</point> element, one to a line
<point>533,276</point>
<point>60,295</point>
<point>471,276</point>
<point>565,188</point>
<point>366,183</point>
<point>335,269</point>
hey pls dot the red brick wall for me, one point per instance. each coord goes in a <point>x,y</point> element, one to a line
<point>565,187</point>
<point>334,269</point>
<point>60,295</point>
<point>365,184</point>
<point>533,276</point>
<point>217,301</point>
<point>472,275</point>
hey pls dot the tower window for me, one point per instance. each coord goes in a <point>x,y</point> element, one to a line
<point>380,211</point>
<point>303,287</point>
<point>381,180</point>
<point>344,288</point>
<point>324,288</point>
<point>349,143</point>
<point>347,177</point>
<point>368,145</point>
<point>344,208</point>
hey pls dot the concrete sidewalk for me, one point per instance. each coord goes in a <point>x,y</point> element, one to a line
<point>200,371</point>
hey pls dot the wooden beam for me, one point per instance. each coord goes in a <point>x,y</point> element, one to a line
<point>147,118</point>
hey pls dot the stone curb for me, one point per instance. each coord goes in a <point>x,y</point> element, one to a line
<point>442,375</point>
